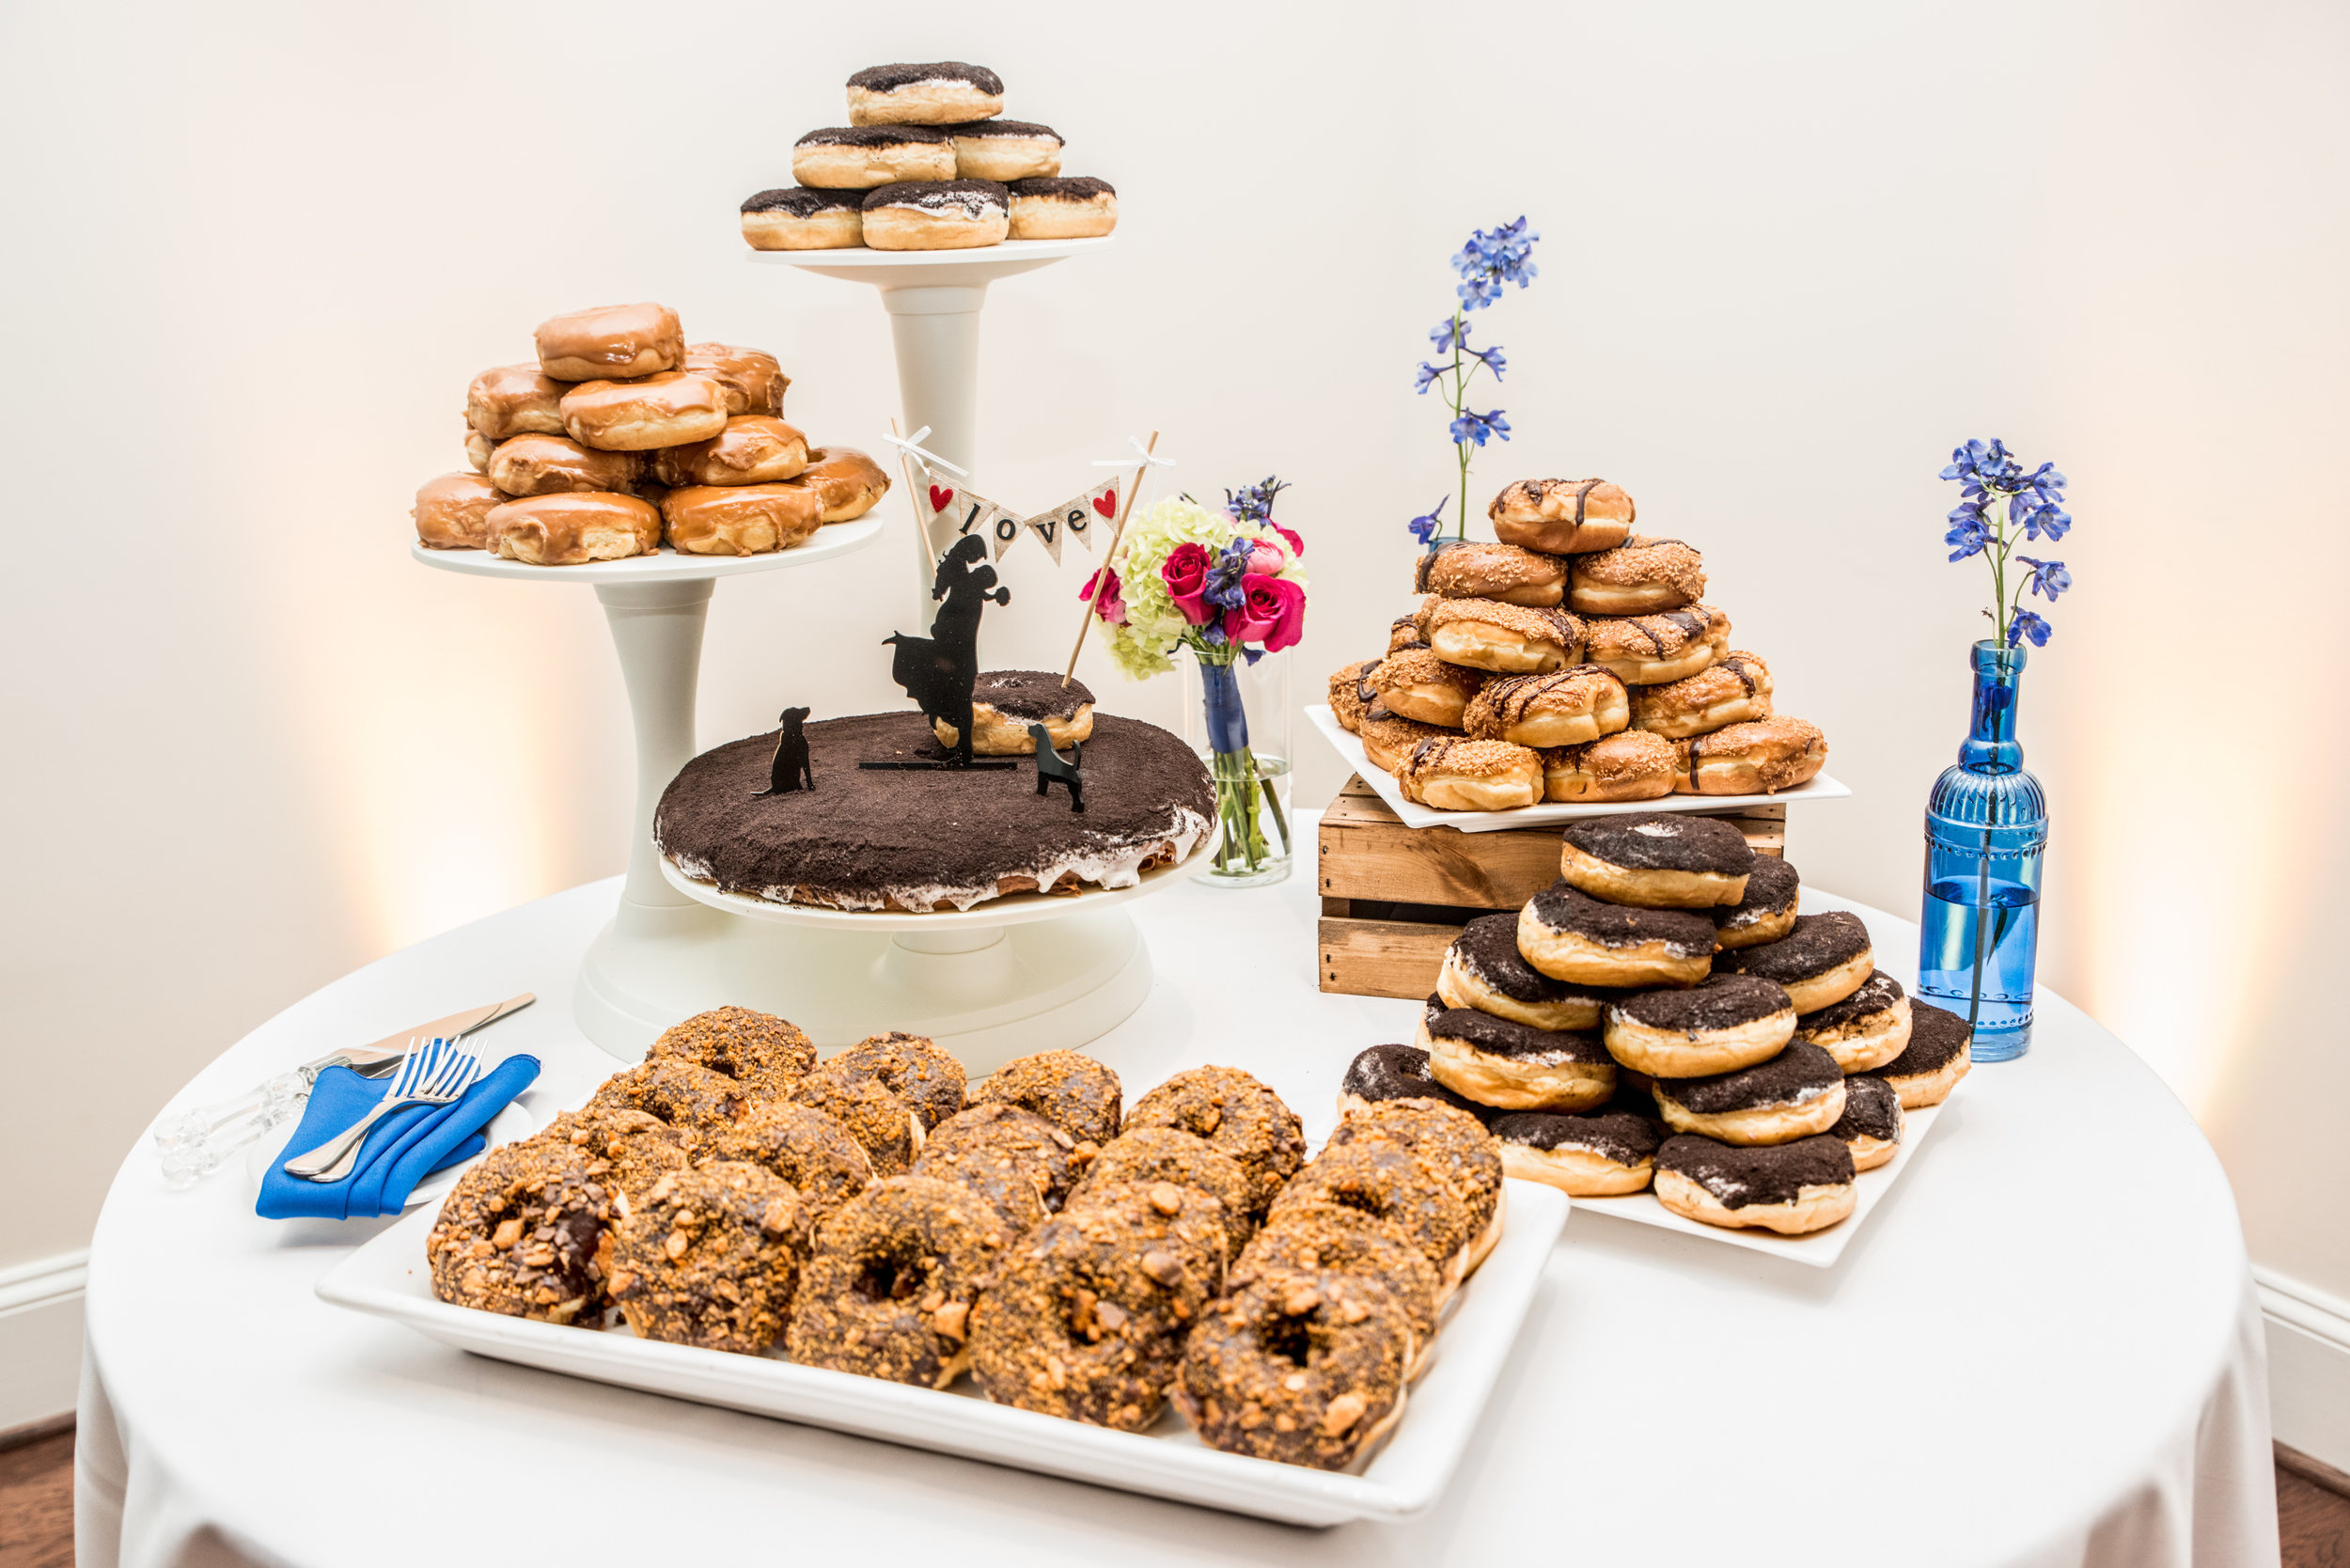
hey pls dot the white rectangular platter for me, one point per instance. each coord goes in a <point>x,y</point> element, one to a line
<point>387,1276</point>
<point>1546,815</point>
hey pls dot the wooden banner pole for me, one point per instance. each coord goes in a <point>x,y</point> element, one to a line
<point>1101,577</point>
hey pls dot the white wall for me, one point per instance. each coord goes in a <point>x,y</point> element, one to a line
<point>1790,256</point>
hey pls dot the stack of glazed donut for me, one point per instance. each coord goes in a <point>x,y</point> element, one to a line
<point>621,436</point>
<point>875,1214</point>
<point>1662,1015</point>
<point>1570,659</point>
<point>926,163</point>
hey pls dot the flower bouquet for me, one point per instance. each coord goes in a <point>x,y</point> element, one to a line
<point>1225,584</point>
<point>1489,259</point>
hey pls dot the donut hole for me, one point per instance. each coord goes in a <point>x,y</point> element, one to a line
<point>1287,1338</point>
<point>893,1276</point>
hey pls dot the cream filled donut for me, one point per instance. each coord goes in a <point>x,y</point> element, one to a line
<point>452,512</point>
<point>610,342</point>
<point>514,399</point>
<point>1759,758</point>
<point>1561,517</point>
<point>1385,1073</point>
<point>1733,690</point>
<point>753,448</point>
<point>950,214</point>
<point>1630,764</point>
<point>1870,1126</point>
<point>1792,1189</point>
<point>867,157</point>
<point>1570,935</point>
<point>1074,208</point>
<point>1601,1154</point>
<point>1509,640</point>
<point>1567,707</point>
<point>805,217</point>
<point>1768,910</point>
<point>752,380</point>
<point>1822,958</point>
<point>1004,702</point>
<point>666,409</point>
<point>847,481</point>
<point>1352,693</point>
<point>942,92</point>
<point>551,464</point>
<point>738,519</point>
<point>568,529</point>
<point>1657,859</point>
<point>1796,1093</point>
<point>1937,1057</point>
<point>1640,576</point>
<point>1514,1066</point>
<point>1865,1030</point>
<point>1506,573</point>
<point>1389,739</point>
<point>1656,649</point>
<point>1419,685</point>
<point>1454,774</point>
<point>1720,1025</point>
<point>1004,150</point>
<point>1483,969</point>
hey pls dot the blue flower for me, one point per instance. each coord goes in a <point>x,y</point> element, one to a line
<point>1968,532</point>
<point>2047,579</point>
<point>2028,627</point>
<point>1254,503</point>
<point>1225,589</point>
<point>1449,334</point>
<point>1491,359</point>
<point>2048,519</point>
<point>1491,258</point>
<point>1424,528</point>
<point>1425,377</point>
<point>1478,427</point>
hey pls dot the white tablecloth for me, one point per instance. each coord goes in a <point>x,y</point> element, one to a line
<point>2043,1349</point>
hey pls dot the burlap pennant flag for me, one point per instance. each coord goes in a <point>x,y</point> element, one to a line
<point>951,510</point>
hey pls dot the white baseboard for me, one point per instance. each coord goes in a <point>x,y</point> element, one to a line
<point>40,1337</point>
<point>2309,1366</point>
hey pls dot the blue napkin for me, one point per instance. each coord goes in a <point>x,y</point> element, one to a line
<point>400,1150</point>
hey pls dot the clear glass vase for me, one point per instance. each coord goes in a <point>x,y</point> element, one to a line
<point>1987,838</point>
<point>1236,717</point>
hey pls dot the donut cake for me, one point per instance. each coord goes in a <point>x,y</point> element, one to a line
<point>620,437</point>
<point>1060,1250</point>
<point>926,161</point>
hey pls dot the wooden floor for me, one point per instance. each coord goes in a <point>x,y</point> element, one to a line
<point>37,1508</point>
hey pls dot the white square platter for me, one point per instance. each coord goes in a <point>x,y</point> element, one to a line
<point>1546,815</point>
<point>388,1278</point>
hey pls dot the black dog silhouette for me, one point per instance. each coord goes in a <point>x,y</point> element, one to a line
<point>790,770</point>
<point>1049,766</point>
<point>938,671</point>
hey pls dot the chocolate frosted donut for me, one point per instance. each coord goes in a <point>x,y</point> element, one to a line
<point>711,1256</point>
<point>1734,691</point>
<point>867,157</point>
<point>521,1234</point>
<point>1870,1126</point>
<point>1570,935</point>
<point>1049,1154</point>
<point>1656,649</point>
<point>1002,1178</point>
<point>887,1289</point>
<point>1630,764</point>
<point>1005,149</point>
<point>1004,702</point>
<point>1471,569</point>
<point>1389,739</point>
<point>699,1103</point>
<point>806,1148</point>
<point>1351,694</point>
<point>1514,1066</point>
<point>1044,207</point>
<point>1768,910</point>
<point>1483,969</point>
<point>804,217</point>
<point>1824,959</point>
<point>758,1050</point>
<point>1640,576</point>
<point>1935,1059</point>
<point>1796,1093</point>
<point>1303,1368</point>
<point>916,1070</point>
<point>1724,1023</point>
<point>1563,516</point>
<point>1599,1156</point>
<point>1235,1114</point>
<point>939,92</point>
<point>1383,1073</point>
<point>1392,1183</point>
<point>1419,685</point>
<point>889,1128</point>
<point>1788,1187</point>
<point>937,214</point>
<point>1865,1030</point>
<point>1149,1154</point>
<point>1657,859</point>
<point>1068,1089</point>
<point>1567,707</point>
<point>1511,639</point>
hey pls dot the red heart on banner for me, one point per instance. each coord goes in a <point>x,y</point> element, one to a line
<point>1106,505</point>
<point>939,498</point>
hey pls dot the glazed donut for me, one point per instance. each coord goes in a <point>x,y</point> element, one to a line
<point>667,409</point>
<point>752,449</point>
<point>1570,935</point>
<point>1766,912</point>
<point>1656,649</point>
<point>1454,774</point>
<point>950,214</point>
<point>1452,1144</point>
<point>752,380</point>
<point>1390,1182</point>
<point>1657,859</point>
<point>1510,639</point>
<point>1351,694</point>
<point>1630,764</point>
<point>1483,969</point>
<point>1937,1057</point>
<point>845,481</point>
<point>1237,1116</point>
<point>944,92</point>
<point>1640,576</point>
<point>1870,1126</point>
<point>1561,517</point>
<point>520,1233</point>
<point>1068,1089</point>
<point>452,512</point>
<point>711,1256</point>
<point>888,1129</point>
<point>1150,1154</point>
<point>867,157</point>
<point>1088,1320</point>
<point>739,519</point>
<point>1788,1187</point>
<point>478,450</point>
<point>1567,707</point>
<point>1080,208</point>
<point>1762,757</point>
<point>1720,1025</point>
<point>1004,150</point>
<point>1514,1066</point>
<point>627,1150</point>
<point>1419,685</point>
<point>1389,739</point>
<point>811,1151</point>
<point>557,465</point>
<point>1380,1073</point>
<point>758,1050</point>
<point>998,1176</point>
<point>1796,1093</point>
<point>1046,1153</point>
<point>699,1103</point>
<point>1734,690</point>
<point>1303,1368</point>
<point>1471,569</point>
<point>805,217</point>
<point>1320,1236</point>
<point>566,530</point>
<point>928,1079</point>
<point>514,399</point>
<point>1601,1154</point>
<point>609,343</point>
<point>888,1287</point>
<point>1865,1030</point>
<point>1824,959</point>
<point>1006,702</point>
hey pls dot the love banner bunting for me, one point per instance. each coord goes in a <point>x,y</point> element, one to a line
<point>953,511</point>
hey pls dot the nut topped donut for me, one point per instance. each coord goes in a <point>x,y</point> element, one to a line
<point>1656,650</point>
<point>1151,1155</point>
<point>1793,1188</point>
<point>1351,693</point>
<point>1472,568</point>
<point>1937,1055</point>
<point>1734,690</point>
<point>699,1103</point>
<point>1004,150</point>
<point>1600,1155</point>
<point>1419,685</point>
<point>847,481</point>
<point>805,217</point>
<point>889,1130</point>
<point>710,1257</point>
<point>1306,1369</point>
<point>554,464</point>
<point>1000,1177</point>
<point>1567,707</point>
<point>1483,969</point>
<point>1452,1144</point>
<point>1640,576</point>
<point>1380,1073</point>
<point>568,529</point>
<point>1318,1236</point>
<point>1049,1154</point>
<point>1390,1182</point>
<point>1796,1093</point>
<point>1389,739</point>
<point>1762,757</point>
<point>752,449</point>
<point>610,342</point>
<point>1238,1116</point>
<point>1766,911</point>
<point>1865,1030</point>
<point>1563,517</point>
<point>937,214</point>
<point>1824,959</point>
<point>1657,859</point>
<point>888,1286</point>
<point>1074,208</point>
<point>1515,1066</point>
<point>1630,765</point>
<point>1510,639</point>
<point>1870,1126</point>
<point>755,1049</point>
<point>806,1148</point>
<point>1723,1023</point>
<point>1570,935</point>
<point>1004,702</point>
<point>867,157</point>
<point>914,1068</point>
<point>1455,774</point>
<point>521,1234</point>
<point>627,1150</point>
<point>452,512</point>
<point>942,92</point>
<point>1069,1088</point>
<point>514,399</point>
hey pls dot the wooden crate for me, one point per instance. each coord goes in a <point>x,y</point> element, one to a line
<point>1393,897</point>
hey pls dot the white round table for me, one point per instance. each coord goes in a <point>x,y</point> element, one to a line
<point>2042,1349</point>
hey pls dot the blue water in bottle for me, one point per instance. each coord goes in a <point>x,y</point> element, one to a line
<point>1986,838</point>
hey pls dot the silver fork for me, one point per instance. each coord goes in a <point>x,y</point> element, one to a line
<point>435,1075</point>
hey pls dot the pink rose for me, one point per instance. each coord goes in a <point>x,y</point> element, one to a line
<point>1185,576</point>
<point>1266,560</point>
<point>1297,544</point>
<point>1289,620</point>
<point>1260,613</point>
<point>1112,608</point>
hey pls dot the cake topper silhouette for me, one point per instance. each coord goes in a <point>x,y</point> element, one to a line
<point>1050,767</point>
<point>790,770</point>
<point>940,670</point>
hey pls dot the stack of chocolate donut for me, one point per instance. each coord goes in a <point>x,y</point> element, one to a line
<point>874,1214</point>
<point>1571,660</point>
<point>926,163</point>
<point>621,436</point>
<point>1663,1014</point>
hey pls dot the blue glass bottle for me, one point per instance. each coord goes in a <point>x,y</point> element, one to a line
<point>1986,835</point>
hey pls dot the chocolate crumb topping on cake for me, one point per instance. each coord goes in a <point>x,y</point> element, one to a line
<point>1503,1037</point>
<point>1619,1136</point>
<point>1400,1072</point>
<point>802,201</point>
<point>889,78</point>
<point>1664,841</point>
<point>1872,1108</point>
<point>971,198</point>
<point>1936,1036</point>
<point>869,135</point>
<point>1563,907</point>
<point>1877,993</point>
<point>1818,944</point>
<point>1030,693</point>
<point>1487,950</point>
<point>1796,1076</point>
<point>1772,888</point>
<point>1775,1174</point>
<point>1024,130</point>
<point>1075,187</point>
<point>1716,1002</point>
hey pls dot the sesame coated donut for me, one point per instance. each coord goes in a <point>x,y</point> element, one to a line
<point>1723,1023</point>
<point>1303,1368</point>
<point>1563,517</point>
<point>1318,1236</point>
<point>1822,958</point>
<point>1069,1088</point>
<point>1572,936</point>
<point>1515,1066</point>
<point>1005,1180</point>
<point>628,1150</point>
<point>915,1069</point>
<point>1419,685</point>
<point>569,529</point>
<point>555,464</point>
<point>1601,1154</point>
<point>1456,774</point>
<point>1453,1146</point>
<point>1509,640</point>
<point>753,448</point>
<point>1150,1154</point>
<point>847,481</point>
<point>1793,1188</point>
<point>1567,707</point>
<point>1870,1126</point>
<point>1483,969</point>
<point>609,342</point>
<point>1005,149</point>
<point>710,1257</point>
<point>521,1234</point>
<point>1657,859</point>
<point>1796,1093</point>
<point>937,214</point>
<point>1388,738</point>
<point>890,1283</point>
<point>1351,694</point>
<point>1380,1073</point>
<point>804,217</point>
<point>751,379</point>
<point>514,399</point>
<point>452,512</point>
<point>1736,689</point>
<point>1471,569</point>
<point>940,92</point>
<point>1076,207</point>
<point>1640,576</point>
<point>806,1148</point>
<point>1048,1154</point>
<point>1865,1030</point>
<point>1766,911</point>
<point>1630,764</point>
<point>889,1130</point>
<point>1236,1115</point>
<point>1655,650</point>
<point>867,157</point>
<point>698,1103</point>
<point>1390,1182</point>
<point>758,1050</point>
<point>1937,1057</point>
<point>1760,757</point>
